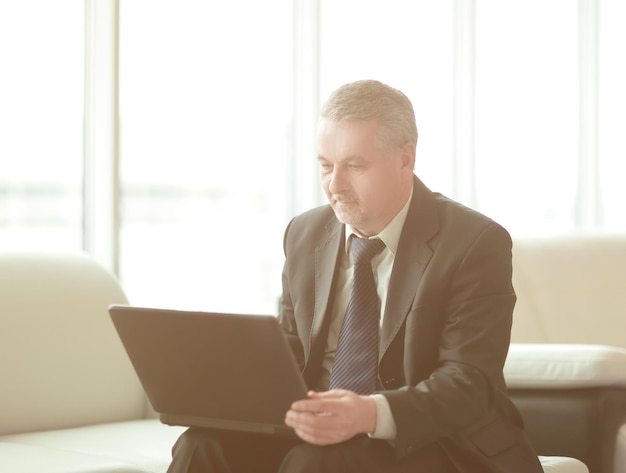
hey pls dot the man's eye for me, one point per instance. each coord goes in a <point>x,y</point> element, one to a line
<point>355,167</point>
<point>326,167</point>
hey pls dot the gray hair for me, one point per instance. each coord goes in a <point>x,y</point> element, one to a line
<point>370,99</point>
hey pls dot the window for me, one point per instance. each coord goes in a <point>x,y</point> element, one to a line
<point>205,106</point>
<point>41,113</point>
<point>526,118</point>
<point>611,115</point>
<point>210,150</point>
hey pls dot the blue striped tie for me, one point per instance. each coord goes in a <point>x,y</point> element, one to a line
<point>356,360</point>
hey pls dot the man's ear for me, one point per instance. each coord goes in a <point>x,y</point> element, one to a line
<point>408,157</point>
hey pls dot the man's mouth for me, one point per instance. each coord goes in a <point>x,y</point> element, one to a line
<point>344,200</point>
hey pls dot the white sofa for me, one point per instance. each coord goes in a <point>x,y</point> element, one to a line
<point>570,290</point>
<point>566,368</point>
<point>69,399</point>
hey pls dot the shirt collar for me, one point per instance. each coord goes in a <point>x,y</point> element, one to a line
<point>390,235</point>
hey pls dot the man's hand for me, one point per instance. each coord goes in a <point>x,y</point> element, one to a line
<point>332,417</point>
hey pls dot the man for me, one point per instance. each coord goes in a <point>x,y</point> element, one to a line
<point>440,292</point>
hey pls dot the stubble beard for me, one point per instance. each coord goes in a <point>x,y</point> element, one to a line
<point>347,210</point>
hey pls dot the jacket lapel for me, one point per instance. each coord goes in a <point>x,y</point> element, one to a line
<point>326,262</point>
<point>410,262</point>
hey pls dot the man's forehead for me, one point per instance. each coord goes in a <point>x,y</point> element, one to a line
<point>351,123</point>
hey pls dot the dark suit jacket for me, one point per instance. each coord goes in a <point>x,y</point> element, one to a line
<point>445,332</point>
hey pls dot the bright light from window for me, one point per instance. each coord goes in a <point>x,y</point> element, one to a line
<point>41,100</point>
<point>205,112</point>
<point>527,93</point>
<point>612,114</point>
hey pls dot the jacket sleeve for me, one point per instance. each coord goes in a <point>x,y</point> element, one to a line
<point>286,315</point>
<point>466,293</point>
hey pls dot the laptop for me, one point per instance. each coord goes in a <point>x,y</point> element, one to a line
<point>212,370</point>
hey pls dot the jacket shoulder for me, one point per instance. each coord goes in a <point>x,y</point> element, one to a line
<point>312,227</point>
<point>455,218</point>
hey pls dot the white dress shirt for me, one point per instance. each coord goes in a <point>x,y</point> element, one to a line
<point>382,264</point>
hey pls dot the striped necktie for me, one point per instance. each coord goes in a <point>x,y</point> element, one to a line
<point>356,360</point>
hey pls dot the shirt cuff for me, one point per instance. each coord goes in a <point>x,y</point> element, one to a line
<point>385,425</point>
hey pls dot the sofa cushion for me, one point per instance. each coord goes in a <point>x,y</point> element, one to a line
<point>549,366</point>
<point>143,445</point>
<point>570,289</point>
<point>562,465</point>
<point>19,458</point>
<point>129,447</point>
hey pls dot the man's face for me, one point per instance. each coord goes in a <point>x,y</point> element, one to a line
<point>365,187</point>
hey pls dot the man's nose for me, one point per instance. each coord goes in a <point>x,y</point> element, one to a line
<point>337,181</point>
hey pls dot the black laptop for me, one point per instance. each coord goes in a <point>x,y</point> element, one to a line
<point>213,370</point>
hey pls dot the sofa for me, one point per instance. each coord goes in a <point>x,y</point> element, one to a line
<point>566,368</point>
<point>70,401</point>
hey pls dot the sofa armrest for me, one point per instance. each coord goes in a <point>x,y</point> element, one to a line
<point>554,366</point>
<point>572,399</point>
<point>63,363</point>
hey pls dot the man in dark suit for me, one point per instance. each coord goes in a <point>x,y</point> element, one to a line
<point>443,303</point>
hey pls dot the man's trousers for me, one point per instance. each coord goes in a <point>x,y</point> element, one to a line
<point>210,451</point>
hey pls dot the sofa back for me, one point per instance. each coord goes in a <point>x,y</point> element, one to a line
<point>61,363</point>
<point>570,290</point>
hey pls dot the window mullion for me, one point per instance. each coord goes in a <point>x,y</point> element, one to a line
<point>303,179</point>
<point>101,157</point>
<point>587,211</point>
<point>464,185</point>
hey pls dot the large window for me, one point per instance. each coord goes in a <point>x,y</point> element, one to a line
<point>175,139</point>
<point>41,113</point>
<point>527,114</point>
<point>205,106</point>
<point>611,115</point>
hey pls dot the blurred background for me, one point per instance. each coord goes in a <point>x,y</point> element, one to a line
<point>175,139</point>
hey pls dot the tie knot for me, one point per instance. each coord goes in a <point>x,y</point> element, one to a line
<point>364,249</point>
